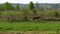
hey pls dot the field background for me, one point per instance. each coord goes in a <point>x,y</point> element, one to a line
<point>31,27</point>
<point>28,27</point>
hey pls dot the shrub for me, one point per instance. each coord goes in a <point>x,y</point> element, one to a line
<point>29,29</point>
<point>34,11</point>
<point>1,28</point>
<point>25,18</point>
<point>9,29</point>
<point>34,29</point>
<point>56,14</point>
<point>18,33</point>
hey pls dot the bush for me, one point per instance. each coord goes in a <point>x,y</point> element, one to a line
<point>34,11</point>
<point>29,29</point>
<point>34,29</point>
<point>9,29</point>
<point>56,14</point>
<point>18,33</point>
<point>1,28</point>
<point>25,18</point>
<point>18,19</point>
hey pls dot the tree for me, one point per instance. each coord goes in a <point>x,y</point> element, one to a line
<point>17,7</point>
<point>31,6</point>
<point>8,6</point>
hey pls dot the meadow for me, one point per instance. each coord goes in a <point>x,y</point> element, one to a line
<point>31,20</point>
<point>30,26</point>
<point>27,25</point>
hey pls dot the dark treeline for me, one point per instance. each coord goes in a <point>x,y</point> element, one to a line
<point>8,6</point>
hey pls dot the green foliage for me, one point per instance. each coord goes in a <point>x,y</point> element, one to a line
<point>8,6</point>
<point>30,26</point>
<point>9,29</point>
<point>56,14</point>
<point>25,11</point>
<point>17,7</point>
<point>18,33</point>
<point>34,11</point>
<point>7,13</point>
<point>25,18</point>
<point>31,6</point>
<point>1,28</point>
<point>1,7</point>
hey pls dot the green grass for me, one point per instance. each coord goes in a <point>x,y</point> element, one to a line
<point>30,26</point>
<point>7,13</point>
